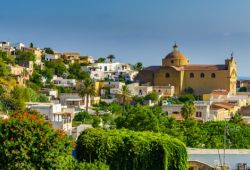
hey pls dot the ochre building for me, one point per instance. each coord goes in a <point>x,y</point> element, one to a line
<point>201,78</point>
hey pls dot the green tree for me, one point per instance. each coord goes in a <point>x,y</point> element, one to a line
<point>111,57</point>
<point>87,89</point>
<point>36,78</point>
<point>31,45</point>
<point>140,118</point>
<point>76,72</point>
<point>58,66</point>
<point>243,89</point>
<point>152,96</point>
<point>25,56</point>
<point>186,98</point>
<point>100,60</point>
<point>4,71</point>
<point>138,66</point>
<point>82,117</point>
<point>124,97</point>
<point>188,110</point>
<point>28,142</point>
<point>48,74</point>
<point>48,50</point>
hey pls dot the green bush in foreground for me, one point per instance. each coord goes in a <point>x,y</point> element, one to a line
<point>125,149</point>
<point>28,142</point>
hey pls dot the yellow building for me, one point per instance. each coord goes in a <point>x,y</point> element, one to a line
<point>202,78</point>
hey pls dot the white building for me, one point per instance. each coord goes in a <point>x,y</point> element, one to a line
<point>137,90</point>
<point>4,44</point>
<point>59,117</point>
<point>110,90</point>
<point>18,46</point>
<point>143,90</point>
<point>59,81</point>
<point>108,70</point>
<point>50,93</point>
<point>204,110</point>
<point>50,57</point>
<point>73,100</point>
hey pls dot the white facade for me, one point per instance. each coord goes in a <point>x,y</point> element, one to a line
<point>144,90</point>
<point>108,70</point>
<point>50,57</point>
<point>54,113</point>
<point>47,109</point>
<point>59,81</point>
<point>18,46</point>
<point>137,90</point>
<point>110,90</point>
<point>203,111</point>
<point>73,100</point>
<point>4,44</point>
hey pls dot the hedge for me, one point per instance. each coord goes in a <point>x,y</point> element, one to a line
<point>125,149</point>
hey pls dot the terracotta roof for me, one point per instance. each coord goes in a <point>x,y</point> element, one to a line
<point>204,67</point>
<point>224,105</point>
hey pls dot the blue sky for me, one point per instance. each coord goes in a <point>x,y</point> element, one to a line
<point>207,31</point>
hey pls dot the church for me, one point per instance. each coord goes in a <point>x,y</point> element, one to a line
<point>201,78</point>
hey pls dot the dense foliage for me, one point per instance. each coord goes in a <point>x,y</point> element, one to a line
<point>124,149</point>
<point>28,142</point>
<point>191,132</point>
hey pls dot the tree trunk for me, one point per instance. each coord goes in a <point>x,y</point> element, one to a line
<point>87,103</point>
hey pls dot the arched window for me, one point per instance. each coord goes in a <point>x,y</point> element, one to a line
<point>213,75</point>
<point>202,75</point>
<point>172,61</point>
<point>167,75</point>
<point>191,75</point>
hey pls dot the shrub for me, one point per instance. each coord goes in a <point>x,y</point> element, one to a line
<point>28,142</point>
<point>125,149</point>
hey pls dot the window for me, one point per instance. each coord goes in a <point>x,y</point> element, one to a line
<point>191,75</point>
<point>213,75</point>
<point>105,68</point>
<point>140,92</point>
<point>172,61</point>
<point>167,75</point>
<point>198,114</point>
<point>202,75</point>
<point>153,75</point>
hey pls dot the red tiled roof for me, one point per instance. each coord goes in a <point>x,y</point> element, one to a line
<point>225,105</point>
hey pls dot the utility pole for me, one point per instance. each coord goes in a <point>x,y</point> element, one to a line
<point>224,147</point>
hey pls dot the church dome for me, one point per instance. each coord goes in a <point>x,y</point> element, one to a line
<point>175,58</point>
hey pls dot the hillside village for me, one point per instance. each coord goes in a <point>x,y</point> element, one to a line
<point>52,81</point>
<point>75,92</point>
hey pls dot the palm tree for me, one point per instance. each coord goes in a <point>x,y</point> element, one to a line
<point>87,89</point>
<point>124,97</point>
<point>188,110</point>
<point>111,57</point>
